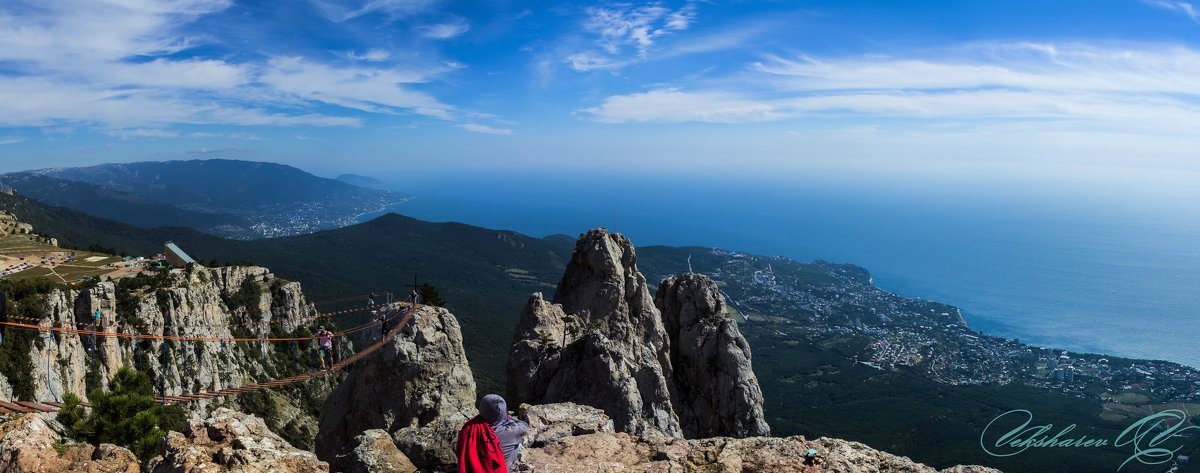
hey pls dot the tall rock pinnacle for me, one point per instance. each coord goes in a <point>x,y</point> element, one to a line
<point>716,391</point>
<point>603,342</point>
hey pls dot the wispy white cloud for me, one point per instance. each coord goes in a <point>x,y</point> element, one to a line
<point>366,89</point>
<point>143,133</point>
<point>1128,89</point>
<point>8,140</point>
<point>371,55</point>
<point>676,106</point>
<point>447,30</point>
<point>339,11</point>
<point>133,72</point>
<point>1187,8</point>
<point>477,128</point>
<point>222,151</point>
<point>236,135</point>
<point>623,34</point>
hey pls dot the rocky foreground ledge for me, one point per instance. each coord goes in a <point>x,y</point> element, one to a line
<point>568,438</point>
<point>228,441</point>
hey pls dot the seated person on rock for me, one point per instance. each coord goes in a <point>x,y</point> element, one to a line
<point>510,432</point>
<point>478,449</point>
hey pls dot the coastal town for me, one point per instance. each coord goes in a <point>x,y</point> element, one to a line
<point>839,305</point>
<point>301,218</point>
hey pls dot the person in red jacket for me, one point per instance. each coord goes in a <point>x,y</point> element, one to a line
<point>478,449</point>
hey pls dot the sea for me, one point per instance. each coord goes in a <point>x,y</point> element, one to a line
<point>1093,272</point>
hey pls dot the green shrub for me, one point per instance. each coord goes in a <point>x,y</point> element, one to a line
<point>126,414</point>
<point>248,297</point>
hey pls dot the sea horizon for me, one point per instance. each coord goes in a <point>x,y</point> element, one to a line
<point>1084,280</point>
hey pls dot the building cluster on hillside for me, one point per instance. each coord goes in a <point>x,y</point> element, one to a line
<point>818,301</point>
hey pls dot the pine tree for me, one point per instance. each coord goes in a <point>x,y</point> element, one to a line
<point>429,296</point>
<point>126,415</point>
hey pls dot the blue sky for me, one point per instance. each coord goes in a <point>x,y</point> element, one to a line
<point>1098,92</point>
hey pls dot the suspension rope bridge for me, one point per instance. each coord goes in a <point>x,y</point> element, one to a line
<point>310,307</point>
<point>393,313</point>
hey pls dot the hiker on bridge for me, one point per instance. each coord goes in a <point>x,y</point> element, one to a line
<point>325,346</point>
<point>371,299</point>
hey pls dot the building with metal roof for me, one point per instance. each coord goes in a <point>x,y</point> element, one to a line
<point>176,256</point>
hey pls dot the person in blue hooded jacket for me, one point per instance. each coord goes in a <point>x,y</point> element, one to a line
<point>510,432</point>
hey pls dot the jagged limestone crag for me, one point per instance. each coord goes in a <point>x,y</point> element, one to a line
<point>28,445</point>
<point>234,442</point>
<point>191,304</point>
<point>605,343</point>
<point>602,342</point>
<point>416,388</point>
<point>716,391</point>
<point>591,451</point>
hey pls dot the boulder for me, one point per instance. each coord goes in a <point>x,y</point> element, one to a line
<point>432,444</point>
<point>373,452</point>
<point>550,422</point>
<point>32,444</point>
<point>230,441</point>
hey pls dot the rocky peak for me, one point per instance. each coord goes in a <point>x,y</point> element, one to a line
<point>716,391</point>
<point>416,388</point>
<point>675,364</point>
<point>601,343</point>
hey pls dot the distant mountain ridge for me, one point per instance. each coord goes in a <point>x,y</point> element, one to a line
<point>363,181</point>
<point>229,198</point>
<point>113,204</point>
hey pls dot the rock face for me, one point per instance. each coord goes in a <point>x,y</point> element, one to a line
<point>27,445</point>
<point>595,452</point>
<point>193,304</point>
<point>419,387</point>
<point>716,391</point>
<point>603,342</point>
<point>190,305</point>
<point>231,441</point>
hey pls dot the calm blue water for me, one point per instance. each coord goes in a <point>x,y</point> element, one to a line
<point>1053,269</point>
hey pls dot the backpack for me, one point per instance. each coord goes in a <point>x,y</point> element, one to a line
<point>478,449</point>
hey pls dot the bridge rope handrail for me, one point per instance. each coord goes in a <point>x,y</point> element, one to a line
<point>180,338</point>
<point>292,320</point>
